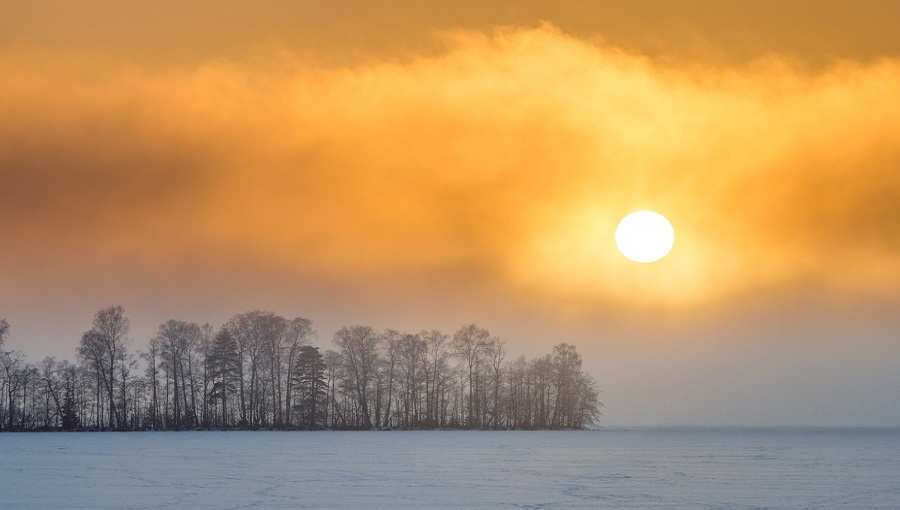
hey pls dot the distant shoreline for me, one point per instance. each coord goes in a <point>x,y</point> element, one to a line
<point>689,429</point>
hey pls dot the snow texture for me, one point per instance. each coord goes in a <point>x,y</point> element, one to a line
<point>622,469</point>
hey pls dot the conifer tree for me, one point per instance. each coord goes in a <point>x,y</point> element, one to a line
<point>70,420</point>
<point>310,387</point>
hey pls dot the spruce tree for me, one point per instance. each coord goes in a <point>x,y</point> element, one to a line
<point>70,420</point>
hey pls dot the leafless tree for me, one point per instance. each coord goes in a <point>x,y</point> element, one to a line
<point>436,372</point>
<point>389,344</point>
<point>52,388</point>
<point>151,359</point>
<point>299,331</point>
<point>11,362</point>
<point>359,348</point>
<point>273,331</point>
<point>333,367</point>
<point>204,349</point>
<point>253,330</point>
<point>411,353</point>
<point>496,353</point>
<point>469,344</point>
<point>178,339</point>
<point>4,332</point>
<point>104,347</point>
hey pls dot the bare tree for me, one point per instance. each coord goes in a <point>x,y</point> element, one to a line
<point>11,363</point>
<point>151,359</point>
<point>389,343</point>
<point>566,368</point>
<point>411,354</point>
<point>436,371</point>
<point>496,352</point>
<point>273,337</point>
<point>253,330</point>
<point>542,379</point>
<point>469,344</point>
<point>52,391</point>
<point>178,339</point>
<point>106,347</point>
<point>359,349</point>
<point>204,349</point>
<point>28,378</point>
<point>92,355</point>
<point>240,332</point>
<point>518,409</point>
<point>587,410</point>
<point>334,417</point>
<point>4,332</point>
<point>299,330</point>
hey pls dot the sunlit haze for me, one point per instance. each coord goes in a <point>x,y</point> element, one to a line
<point>428,165</point>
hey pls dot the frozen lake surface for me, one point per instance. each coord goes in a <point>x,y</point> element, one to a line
<point>611,468</point>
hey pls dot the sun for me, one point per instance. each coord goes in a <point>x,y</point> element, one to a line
<point>645,236</point>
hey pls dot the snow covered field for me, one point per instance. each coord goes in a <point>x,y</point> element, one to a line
<point>612,468</point>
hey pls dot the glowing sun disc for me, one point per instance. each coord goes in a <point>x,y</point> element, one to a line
<point>645,236</point>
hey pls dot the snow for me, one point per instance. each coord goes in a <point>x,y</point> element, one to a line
<point>619,468</point>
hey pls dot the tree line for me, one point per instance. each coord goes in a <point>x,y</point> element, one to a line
<point>259,370</point>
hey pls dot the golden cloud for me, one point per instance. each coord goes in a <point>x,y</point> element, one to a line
<point>509,157</point>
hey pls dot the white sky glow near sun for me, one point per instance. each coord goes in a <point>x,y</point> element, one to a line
<point>645,236</point>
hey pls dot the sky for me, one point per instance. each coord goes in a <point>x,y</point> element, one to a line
<point>422,165</point>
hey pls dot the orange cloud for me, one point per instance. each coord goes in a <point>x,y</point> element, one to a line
<point>507,158</point>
